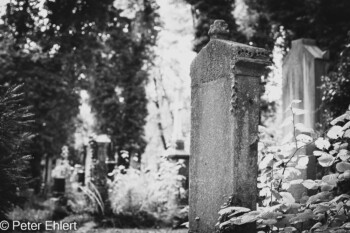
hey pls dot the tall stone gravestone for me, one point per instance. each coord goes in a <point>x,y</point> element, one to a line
<point>224,134</point>
<point>303,68</point>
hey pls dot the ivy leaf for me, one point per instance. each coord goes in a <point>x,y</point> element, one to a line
<point>287,121</point>
<point>285,185</point>
<point>185,224</point>
<point>302,163</point>
<point>291,173</point>
<point>322,144</point>
<point>321,208</point>
<point>303,129</point>
<point>343,146</point>
<point>231,209</point>
<point>338,119</point>
<point>343,166</point>
<point>319,153</point>
<point>276,194</point>
<point>326,187</point>
<point>283,221</point>
<point>310,184</point>
<point>242,210</point>
<point>291,104</point>
<point>278,176</point>
<point>326,160</point>
<point>330,179</point>
<point>346,126</point>
<point>245,218</point>
<point>302,217</point>
<point>347,134</point>
<point>268,214</point>
<point>289,229</point>
<point>341,197</point>
<point>287,197</point>
<point>297,181</point>
<point>269,221</point>
<point>288,206</point>
<point>266,162</point>
<point>316,226</point>
<point>343,154</point>
<point>346,225</point>
<point>298,111</point>
<point>335,132</point>
<point>333,152</point>
<point>304,199</point>
<point>304,138</point>
<point>339,206</point>
<point>322,196</point>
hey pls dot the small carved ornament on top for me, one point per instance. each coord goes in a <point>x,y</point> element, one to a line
<point>219,30</point>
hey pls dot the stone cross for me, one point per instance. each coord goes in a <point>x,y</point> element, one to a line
<point>224,127</point>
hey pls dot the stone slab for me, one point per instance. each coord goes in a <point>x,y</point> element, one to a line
<point>224,135</point>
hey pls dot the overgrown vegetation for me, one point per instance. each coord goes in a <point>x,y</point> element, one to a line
<point>15,122</point>
<point>336,85</point>
<point>59,48</point>
<point>146,199</point>
<point>326,208</point>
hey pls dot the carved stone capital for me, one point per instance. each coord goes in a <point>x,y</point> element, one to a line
<point>223,58</point>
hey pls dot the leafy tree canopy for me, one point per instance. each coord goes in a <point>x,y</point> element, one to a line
<point>57,48</point>
<point>325,21</point>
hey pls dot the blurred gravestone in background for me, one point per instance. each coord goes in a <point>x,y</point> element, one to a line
<point>61,174</point>
<point>303,69</point>
<point>177,153</point>
<point>224,134</point>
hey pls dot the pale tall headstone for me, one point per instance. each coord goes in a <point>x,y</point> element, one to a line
<point>224,127</point>
<point>302,71</point>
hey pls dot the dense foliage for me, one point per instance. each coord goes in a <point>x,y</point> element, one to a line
<point>336,85</point>
<point>325,21</point>
<point>147,198</point>
<point>118,88</point>
<point>57,48</point>
<point>261,23</point>
<point>323,209</point>
<point>28,58</point>
<point>111,43</point>
<point>15,120</point>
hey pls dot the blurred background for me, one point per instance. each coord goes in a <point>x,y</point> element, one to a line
<point>98,132</point>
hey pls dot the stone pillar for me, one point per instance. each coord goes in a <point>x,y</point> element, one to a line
<point>224,134</point>
<point>302,70</point>
<point>100,169</point>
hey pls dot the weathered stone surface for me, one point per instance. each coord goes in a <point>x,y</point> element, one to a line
<point>225,115</point>
<point>303,68</point>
